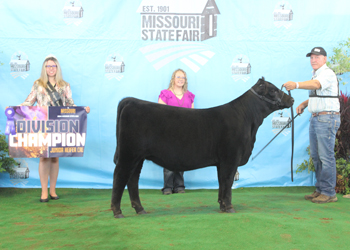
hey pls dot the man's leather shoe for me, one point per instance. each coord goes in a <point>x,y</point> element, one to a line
<point>54,197</point>
<point>309,197</point>
<point>324,199</point>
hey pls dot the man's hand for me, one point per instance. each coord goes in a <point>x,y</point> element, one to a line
<point>300,108</point>
<point>290,85</point>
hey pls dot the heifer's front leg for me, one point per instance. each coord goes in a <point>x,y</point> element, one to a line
<point>133,188</point>
<point>226,175</point>
<point>120,178</point>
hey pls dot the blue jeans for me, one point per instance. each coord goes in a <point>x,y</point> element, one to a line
<point>173,181</point>
<point>322,132</point>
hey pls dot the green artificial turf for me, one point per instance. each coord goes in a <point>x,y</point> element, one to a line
<point>266,218</point>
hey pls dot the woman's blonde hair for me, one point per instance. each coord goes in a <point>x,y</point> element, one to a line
<point>172,81</point>
<point>44,78</point>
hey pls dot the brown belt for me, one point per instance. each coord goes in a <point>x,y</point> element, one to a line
<point>325,113</point>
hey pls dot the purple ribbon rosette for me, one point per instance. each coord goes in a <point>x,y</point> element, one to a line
<point>10,124</point>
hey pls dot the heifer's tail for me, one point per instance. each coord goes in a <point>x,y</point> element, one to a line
<point>121,106</point>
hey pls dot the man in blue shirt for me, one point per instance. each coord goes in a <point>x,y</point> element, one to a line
<point>323,104</point>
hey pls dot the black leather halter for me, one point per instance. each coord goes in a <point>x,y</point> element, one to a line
<point>278,101</point>
<point>292,155</point>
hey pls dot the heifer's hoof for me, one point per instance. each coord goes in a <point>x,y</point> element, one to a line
<point>227,210</point>
<point>142,212</point>
<point>231,210</point>
<point>119,216</point>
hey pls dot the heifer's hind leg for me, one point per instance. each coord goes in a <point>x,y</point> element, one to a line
<point>225,176</point>
<point>120,178</point>
<point>220,189</point>
<point>133,188</point>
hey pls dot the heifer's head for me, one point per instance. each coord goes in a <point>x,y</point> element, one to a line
<point>275,97</point>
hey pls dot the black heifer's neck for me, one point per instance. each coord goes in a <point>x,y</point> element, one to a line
<point>253,108</point>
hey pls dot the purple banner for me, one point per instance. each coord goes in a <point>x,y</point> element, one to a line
<point>46,131</point>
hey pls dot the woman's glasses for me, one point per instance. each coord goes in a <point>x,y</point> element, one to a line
<point>181,77</point>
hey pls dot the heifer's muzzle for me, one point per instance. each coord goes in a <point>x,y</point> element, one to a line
<point>290,95</point>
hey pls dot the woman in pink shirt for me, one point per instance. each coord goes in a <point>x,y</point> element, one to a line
<point>176,95</point>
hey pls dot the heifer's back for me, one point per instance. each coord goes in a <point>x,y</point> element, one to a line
<point>175,138</point>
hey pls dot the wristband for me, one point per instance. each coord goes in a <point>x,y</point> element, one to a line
<point>297,85</point>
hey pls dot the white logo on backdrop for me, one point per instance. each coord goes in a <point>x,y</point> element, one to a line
<point>19,65</point>
<point>194,55</point>
<point>279,121</point>
<point>178,26</point>
<point>283,14</point>
<point>241,68</point>
<point>114,67</point>
<point>73,12</point>
<point>20,175</point>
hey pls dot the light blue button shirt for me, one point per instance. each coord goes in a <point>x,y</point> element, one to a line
<point>329,87</point>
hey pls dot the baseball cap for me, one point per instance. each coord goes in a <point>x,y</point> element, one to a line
<point>317,51</point>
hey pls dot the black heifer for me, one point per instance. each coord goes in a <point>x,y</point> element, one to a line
<point>182,139</point>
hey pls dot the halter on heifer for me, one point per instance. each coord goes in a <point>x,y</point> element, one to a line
<point>277,102</point>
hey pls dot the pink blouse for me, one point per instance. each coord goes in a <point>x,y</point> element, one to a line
<point>170,98</point>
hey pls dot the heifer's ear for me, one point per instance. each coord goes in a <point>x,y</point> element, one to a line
<point>262,87</point>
